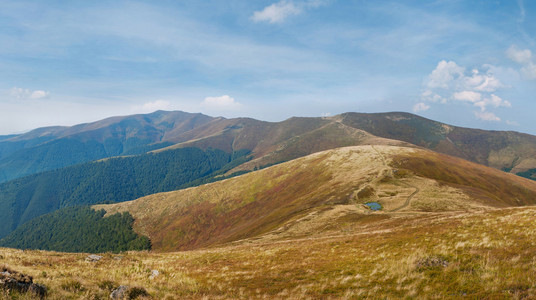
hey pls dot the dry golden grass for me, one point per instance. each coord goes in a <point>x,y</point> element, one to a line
<point>300,230</point>
<point>488,254</point>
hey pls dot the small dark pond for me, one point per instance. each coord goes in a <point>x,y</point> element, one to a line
<point>374,205</point>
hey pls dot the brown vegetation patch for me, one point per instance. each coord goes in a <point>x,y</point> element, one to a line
<point>366,193</point>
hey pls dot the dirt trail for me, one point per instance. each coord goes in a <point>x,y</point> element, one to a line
<point>390,170</point>
<point>408,200</point>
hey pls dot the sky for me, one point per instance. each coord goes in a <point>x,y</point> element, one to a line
<point>465,63</point>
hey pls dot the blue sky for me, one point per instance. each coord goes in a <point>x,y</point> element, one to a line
<point>466,63</point>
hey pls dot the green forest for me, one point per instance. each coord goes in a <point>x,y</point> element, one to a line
<point>64,152</point>
<point>78,229</point>
<point>108,181</point>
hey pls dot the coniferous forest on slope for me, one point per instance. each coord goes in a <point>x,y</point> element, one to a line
<point>78,229</point>
<point>110,180</point>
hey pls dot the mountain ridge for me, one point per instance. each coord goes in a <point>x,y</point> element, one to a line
<point>38,150</point>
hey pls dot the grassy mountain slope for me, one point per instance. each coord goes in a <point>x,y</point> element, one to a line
<point>110,180</point>
<point>469,255</point>
<point>55,147</point>
<point>304,196</point>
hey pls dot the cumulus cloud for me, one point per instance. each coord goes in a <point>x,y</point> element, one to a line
<point>524,58</point>
<point>518,55</point>
<point>39,94</point>
<point>529,70</point>
<point>153,106</point>
<point>224,102</point>
<point>444,74</point>
<point>430,96</point>
<point>487,116</point>
<point>21,93</point>
<point>280,11</point>
<point>277,12</point>
<point>467,96</point>
<point>450,82</point>
<point>421,106</point>
<point>494,101</point>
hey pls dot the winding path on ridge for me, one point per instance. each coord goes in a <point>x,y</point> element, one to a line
<point>408,200</point>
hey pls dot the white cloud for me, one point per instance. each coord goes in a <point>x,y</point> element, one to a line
<point>494,101</point>
<point>153,106</point>
<point>157,105</point>
<point>518,55</point>
<point>449,81</point>
<point>430,96</point>
<point>512,123</point>
<point>444,74</point>
<point>467,96</point>
<point>487,116</point>
<point>529,70</point>
<point>484,83</point>
<point>39,94</point>
<point>421,106</point>
<point>21,93</point>
<point>277,12</point>
<point>498,101</point>
<point>280,11</point>
<point>224,102</point>
<point>523,57</point>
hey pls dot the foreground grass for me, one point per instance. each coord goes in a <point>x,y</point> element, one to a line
<point>488,254</point>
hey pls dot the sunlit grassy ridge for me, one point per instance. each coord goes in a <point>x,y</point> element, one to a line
<point>311,194</point>
<point>488,254</point>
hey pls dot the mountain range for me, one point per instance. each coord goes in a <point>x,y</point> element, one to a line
<point>123,158</point>
<point>239,208</point>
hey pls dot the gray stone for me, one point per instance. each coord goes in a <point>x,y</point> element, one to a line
<point>154,274</point>
<point>127,292</point>
<point>120,292</point>
<point>93,258</point>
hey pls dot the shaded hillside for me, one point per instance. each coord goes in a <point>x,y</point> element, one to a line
<point>505,150</point>
<point>110,180</point>
<point>300,197</point>
<point>77,229</point>
<point>56,147</point>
